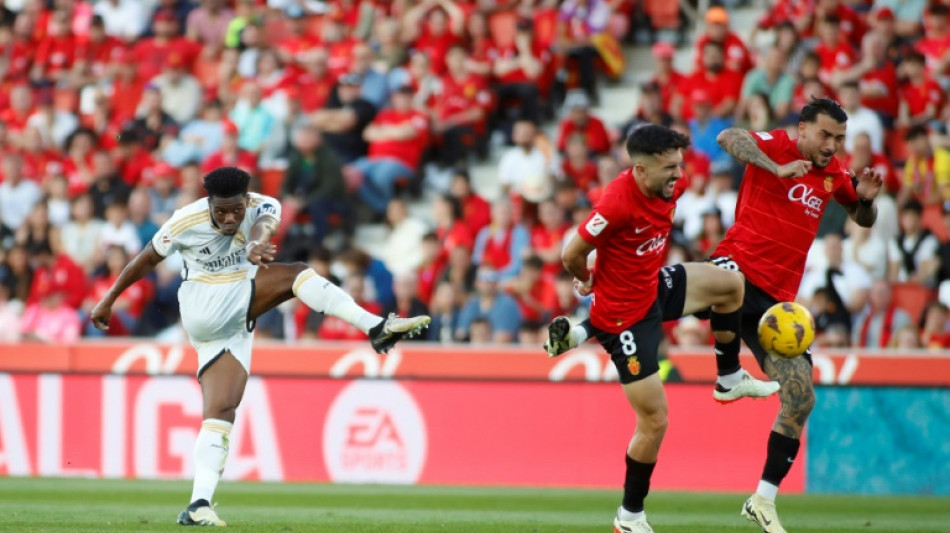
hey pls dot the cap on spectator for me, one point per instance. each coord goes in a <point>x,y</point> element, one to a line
<point>165,15</point>
<point>350,79</point>
<point>164,170</point>
<point>717,15</point>
<point>229,127</point>
<point>912,205</point>
<point>294,11</point>
<point>663,50</point>
<point>175,60</point>
<point>885,13</point>
<point>701,97</point>
<point>576,99</point>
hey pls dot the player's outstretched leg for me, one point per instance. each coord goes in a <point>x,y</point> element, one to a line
<point>562,337</point>
<point>387,333</point>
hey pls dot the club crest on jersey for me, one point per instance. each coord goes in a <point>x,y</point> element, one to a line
<point>239,239</point>
<point>829,183</point>
<point>596,224</point>
<point>633,365</point>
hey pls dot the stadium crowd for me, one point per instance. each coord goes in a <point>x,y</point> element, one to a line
<point>112,110</point>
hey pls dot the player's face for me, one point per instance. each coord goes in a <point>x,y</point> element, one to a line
<point>821,140</point>
<point>660,172</point>
<point>228,213</point>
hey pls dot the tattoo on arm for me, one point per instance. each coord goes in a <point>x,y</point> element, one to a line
<point>740,144</point>
<point>864,216</point>
<point>797,393</point>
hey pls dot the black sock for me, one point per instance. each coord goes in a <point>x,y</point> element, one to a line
<point>636,485</point>
<point>781,453</point>
<point>377,329</point>
<point>727,354</point>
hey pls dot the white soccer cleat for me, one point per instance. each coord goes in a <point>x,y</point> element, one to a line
<point>559,337</point>
<point>761,511</point>
<point>200,513</point>
<point>631,526</point>
<point>396,329</point>
<point>748,387</point>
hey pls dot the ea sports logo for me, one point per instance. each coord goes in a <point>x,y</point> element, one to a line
<point>374,433</point>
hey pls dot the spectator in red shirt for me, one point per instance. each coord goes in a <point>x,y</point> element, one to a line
<point>665,77</point>
<point>128,307</point>
<point>445,22</point>
<point>55,272</point>
<point>461,108</point>
<point>21,108</point>
<point>96,53</point>
<point>334,328</point>
<point>862,156</point>
<point>852,23</point>
<point>737,55</point>
<point>547,236</point>
<point>534,292</point>
<point>517,70</point>
<point>479,46</point>
<point>921,98</point>
<point>338,43</point>
<point>152,53</point>
<point>836,54</point>
<point>55,54</point>
<point>77,165</point>
<point>397,138</point>
<point>935,44</point>
<point>577,166</point>
<point>314,84</point>
<point>298,42</point>
<point>18,48</point>
<point>580,120</point>
<point>230,154</point>
<point>876,77</point>
<point>723,85</point>
<point>476,211</point>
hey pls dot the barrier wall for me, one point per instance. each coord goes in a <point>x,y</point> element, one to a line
<point>436,432</point>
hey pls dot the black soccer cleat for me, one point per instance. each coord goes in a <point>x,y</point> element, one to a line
<point>559,337</point>
<point>393,329</point>
<point>200,513</point>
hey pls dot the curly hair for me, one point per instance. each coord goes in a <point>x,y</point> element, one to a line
<point>226,182</point>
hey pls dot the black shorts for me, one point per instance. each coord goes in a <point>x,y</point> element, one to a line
<point>634,351</point>
<point>754,305</point>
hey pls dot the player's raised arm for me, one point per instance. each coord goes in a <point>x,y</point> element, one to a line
<point>741,145</point>
<point>137,269</point>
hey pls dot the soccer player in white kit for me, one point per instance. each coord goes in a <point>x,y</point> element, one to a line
<point>229,281</point>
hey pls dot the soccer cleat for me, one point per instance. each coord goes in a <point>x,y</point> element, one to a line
<point>395,329</point>
<point>631,526</point>
<point>200,513</point>
<point>748,386</point>
<point>761,511</point>
<point>559,337</point>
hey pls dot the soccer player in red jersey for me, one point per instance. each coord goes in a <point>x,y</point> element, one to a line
<point>783,195</point>
<point>633,294</point>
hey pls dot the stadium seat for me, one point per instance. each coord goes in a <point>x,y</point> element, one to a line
<point>912,297</point>
<point>503,25</point>
<point>932,219</point>
<point>664,15</point>
<point>271,181</point>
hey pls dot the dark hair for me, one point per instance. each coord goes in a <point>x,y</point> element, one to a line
<point>822,106</point>
<point>912,205</point>
<point>454,204</point>
<point>532,261</point>
<point>227,182</point>
<point>850,85</point>
<point>913,56</point>
<point>651,139</point>
<point>938,9</point>
<point>831,19</point>
<point>915,131</point>
<point>933,305</point>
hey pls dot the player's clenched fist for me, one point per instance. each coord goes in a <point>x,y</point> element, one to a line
<point>101,315</point>
<point>260,253</point>
<point>795,169</point>
<point>584,288</point>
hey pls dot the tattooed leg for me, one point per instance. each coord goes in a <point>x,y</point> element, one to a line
<point>797,393</point>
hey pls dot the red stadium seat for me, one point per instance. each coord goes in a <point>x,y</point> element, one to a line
<point>896,146</point>
<point>912,297</point>
<point>663,14</point>
<point>503,25</point>
<point>932,219</point>
<point>271,181</point>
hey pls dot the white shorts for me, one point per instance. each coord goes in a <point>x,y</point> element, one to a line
<point>214,313</point>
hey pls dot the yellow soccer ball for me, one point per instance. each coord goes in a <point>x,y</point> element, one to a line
<point>787,329</point>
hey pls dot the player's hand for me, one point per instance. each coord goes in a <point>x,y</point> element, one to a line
<point>870,183</point>
<point>795,169</point>
<point>260,254</point>
<point>101,315</point>
<point>584,288</point>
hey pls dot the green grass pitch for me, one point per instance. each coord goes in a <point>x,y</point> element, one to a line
<point>79,505</point>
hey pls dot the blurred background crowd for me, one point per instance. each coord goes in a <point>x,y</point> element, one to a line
<point>378,114</point>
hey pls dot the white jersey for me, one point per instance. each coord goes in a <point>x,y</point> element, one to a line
<point>208,254</point>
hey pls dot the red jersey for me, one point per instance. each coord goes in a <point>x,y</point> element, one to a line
<point>721,87</point>
<point>883,77</point>
<point>834,58</point>
<point>339,56</point>
<point>582,177</point>
<point>630,232</point>
<point>543,238</point>
<point>19,57</point>
<point>336,329</point>
<point>933,49</point>
<point>436,47</point>
<point>777,218</point>
<point>151,55</point>
<point>476,211</point>
<point>63,276</point>
<point>918,97</point>
<point>598,140</point>
<point>56,54</point>
<point>244,160</point>
<point>736,54</point>
<point>314,92</point>
<point>99,54</point>
<point>408,152</point>
<point>460,95</point>
<point>511,51</point>
<point>668,88</point>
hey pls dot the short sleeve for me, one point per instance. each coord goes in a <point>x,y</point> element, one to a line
<point>771,142</point>
<point>166,241</point>
<point>605,219</point>
<point>267,207</point>
<point>844,189</point>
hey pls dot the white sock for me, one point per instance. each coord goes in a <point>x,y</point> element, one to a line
<point>731,380</point>
<point>325,297</point>
<point>767,490</point>
<point>211,452</point>
<point>628,516</point>
<point>577,336</point>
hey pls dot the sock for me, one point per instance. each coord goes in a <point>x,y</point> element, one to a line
<point>578,335</point>
<point>767,490</point>
<point>211,452</point>
<point>727,353</point>
<point>629,516</point>
<point>325,297</point>
<point>729,381</point>
<point>782,451</point>
<point>636,485</point>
